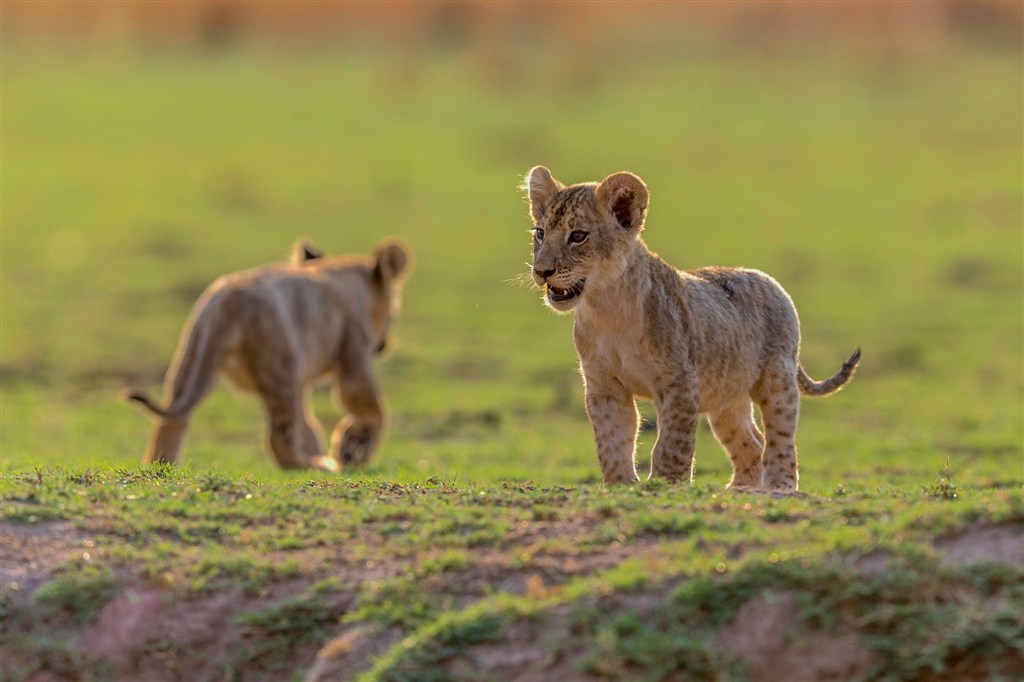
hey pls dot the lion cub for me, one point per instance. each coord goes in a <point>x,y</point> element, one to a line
<point>708,340</point>
<point>277,329</point>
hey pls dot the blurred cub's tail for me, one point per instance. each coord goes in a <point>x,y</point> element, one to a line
<point>145,401</point>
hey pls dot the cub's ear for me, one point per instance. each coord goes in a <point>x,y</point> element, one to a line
<point>541,188</point>
<point>625,197</point>
<point>302,252</point>
<point>393,259</point>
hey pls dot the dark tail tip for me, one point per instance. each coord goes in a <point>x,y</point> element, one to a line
<point>853,359</point>
<point>131,394</point>
<point>144,400</point>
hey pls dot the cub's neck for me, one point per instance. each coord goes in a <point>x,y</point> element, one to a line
<point>618,291</point>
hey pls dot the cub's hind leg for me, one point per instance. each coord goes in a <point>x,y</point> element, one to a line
<point>287,428</point>
<point>739,435</point>
<point>277,382</point>
<point>779,399</point>
<point>312,432</point>
<point>166,442</point>
<point>189,379</point>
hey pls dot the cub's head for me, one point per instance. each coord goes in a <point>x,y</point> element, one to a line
<point>582,233</point>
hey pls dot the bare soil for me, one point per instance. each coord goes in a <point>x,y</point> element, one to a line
<point>767,635</point>
<point>29,554</point>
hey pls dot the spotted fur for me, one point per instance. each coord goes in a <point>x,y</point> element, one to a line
<point>277,329</point>
<point>713,340</point>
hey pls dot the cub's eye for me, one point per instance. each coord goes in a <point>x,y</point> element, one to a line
<point>578,236</point>
<point>538,234</point>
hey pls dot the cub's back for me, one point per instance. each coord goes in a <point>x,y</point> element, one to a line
<point>749,298</point>
<point>283,309</point>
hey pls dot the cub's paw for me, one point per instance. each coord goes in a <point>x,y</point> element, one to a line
<point>781,484</point>
<point>357,444</point>
<point>325,463</point>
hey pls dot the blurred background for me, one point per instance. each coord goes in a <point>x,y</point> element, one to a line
<point>868,155</point>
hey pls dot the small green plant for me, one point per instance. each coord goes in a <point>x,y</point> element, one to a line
<point>448,637</point>
<point>449,560</point>
<point>401,601</point>
<point>943,488</point>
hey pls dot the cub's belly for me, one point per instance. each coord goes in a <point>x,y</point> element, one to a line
<point>636,375</point>
<point>238,370</point>
<point>637,386</point>
<point>724,387</point>
<point>717,390</point>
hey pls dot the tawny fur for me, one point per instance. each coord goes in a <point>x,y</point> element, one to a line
<point>714,340</point>
<point>276,330</point>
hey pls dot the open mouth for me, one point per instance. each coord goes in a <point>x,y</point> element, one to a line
<point>558,294</point>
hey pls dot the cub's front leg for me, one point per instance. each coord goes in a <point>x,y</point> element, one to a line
<point>678,407</point>
<point>355,437</point>
<point>613,417</point>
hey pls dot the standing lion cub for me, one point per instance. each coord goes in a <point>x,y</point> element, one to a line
<point>277,329</point>
<point>708,340</point>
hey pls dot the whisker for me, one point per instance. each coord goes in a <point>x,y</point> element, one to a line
<point>523,280</point>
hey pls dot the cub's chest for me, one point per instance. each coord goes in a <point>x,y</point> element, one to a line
<point>617,352</point>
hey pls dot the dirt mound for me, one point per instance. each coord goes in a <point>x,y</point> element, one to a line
<point>766,634</point>
<point>139,626</point>
<point>982,543</point>
<point>126,624</point>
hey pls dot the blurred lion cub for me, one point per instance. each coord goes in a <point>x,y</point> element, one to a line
<point>708,340</point>
<point>275,330</point>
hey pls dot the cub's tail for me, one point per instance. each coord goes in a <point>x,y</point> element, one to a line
<point>809,386</point>
<point>196,362</point>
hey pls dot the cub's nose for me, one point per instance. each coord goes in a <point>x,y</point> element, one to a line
<point>543,274</point>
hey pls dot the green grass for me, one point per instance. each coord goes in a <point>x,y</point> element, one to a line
<point>885,201</point>
<point>884,195</point>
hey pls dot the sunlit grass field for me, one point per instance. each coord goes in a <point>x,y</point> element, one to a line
<point>883,191</point>
<point>884,194</point>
